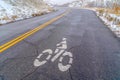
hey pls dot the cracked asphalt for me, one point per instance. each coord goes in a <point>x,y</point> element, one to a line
<point>95,49</point>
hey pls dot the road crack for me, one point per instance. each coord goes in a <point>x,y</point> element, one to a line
<point>71,75</point>
<point>29,74</point>
<point>34,45</point>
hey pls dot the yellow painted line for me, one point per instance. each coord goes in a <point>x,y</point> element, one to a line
<point>27,34</point>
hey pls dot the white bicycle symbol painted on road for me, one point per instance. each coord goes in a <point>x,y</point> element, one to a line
<point>59,52</point>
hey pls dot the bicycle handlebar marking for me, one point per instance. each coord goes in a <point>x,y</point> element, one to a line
<point>60,52</point>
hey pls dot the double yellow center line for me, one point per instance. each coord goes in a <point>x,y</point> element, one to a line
<point>27,34</point>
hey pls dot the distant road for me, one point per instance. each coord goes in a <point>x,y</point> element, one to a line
<point>69,44</point>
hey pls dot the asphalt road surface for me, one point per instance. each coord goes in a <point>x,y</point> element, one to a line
<point>90,50</point>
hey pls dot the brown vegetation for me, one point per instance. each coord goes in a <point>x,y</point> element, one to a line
<point>50,9</point>
<point>116,8</point>
<point>14,17</point>
<point>5,18</point>
<point>37,14</point>
<point>109,11</point>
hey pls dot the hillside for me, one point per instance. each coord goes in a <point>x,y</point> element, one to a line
<point>11,10</point>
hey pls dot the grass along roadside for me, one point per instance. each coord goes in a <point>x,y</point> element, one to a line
<point>111,18</point>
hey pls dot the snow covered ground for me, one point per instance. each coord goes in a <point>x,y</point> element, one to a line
<point>12,10</point>
<point>76,4</point>
<point>81,3</point>
<point>111,20</point>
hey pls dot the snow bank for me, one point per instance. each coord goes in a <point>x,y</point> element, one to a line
<point>12,10</point>
<point>111,20</point>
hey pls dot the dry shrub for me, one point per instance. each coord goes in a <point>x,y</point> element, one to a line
<point>36,14</point>
<point>115,19</point>
<point>39,14</point>
<point>118,22</point>
<point>100,10</point>
<point>107,10</point>
<point>5,18</point>
<point>33,15</point>
<point>116,8</point>
<point>14,17</point>
<point>110,19</point>
<point>50,9</point>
